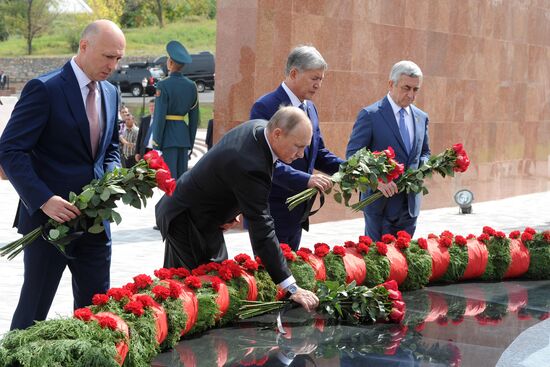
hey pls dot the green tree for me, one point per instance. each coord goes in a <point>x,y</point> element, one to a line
<point>29,18</point>
<point>107,9</point>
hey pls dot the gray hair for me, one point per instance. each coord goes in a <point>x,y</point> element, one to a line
<point>286,118</point>
<point>405,67</point>
<point>305,57</point>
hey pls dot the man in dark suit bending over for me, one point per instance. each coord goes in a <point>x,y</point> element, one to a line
<point>234,177</point>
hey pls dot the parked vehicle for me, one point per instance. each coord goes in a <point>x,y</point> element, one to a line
<point>201,70</point>
<point>129,79</point>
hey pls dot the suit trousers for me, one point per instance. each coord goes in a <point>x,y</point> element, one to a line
<point>377,225</point>
<point>44,265</point>
<point>186,247</point>
<point>176,159</point>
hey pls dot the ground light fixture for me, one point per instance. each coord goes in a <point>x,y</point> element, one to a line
<point>464,199</point>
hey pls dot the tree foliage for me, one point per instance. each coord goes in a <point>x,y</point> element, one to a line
<point>29,18</point>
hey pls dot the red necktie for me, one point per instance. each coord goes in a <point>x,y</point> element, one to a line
<point>93,118</point>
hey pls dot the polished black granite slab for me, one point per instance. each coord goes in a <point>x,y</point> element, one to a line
<point>469,324</point>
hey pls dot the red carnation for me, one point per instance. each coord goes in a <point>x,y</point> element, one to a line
<point>306,250</point>
<point>142,281</point>
<point>100,299</point>
<point>161,292</point>
<point>433,236</point>
<point>107,322</point>
<point>84,314</point>
<point>458,148</point>
<point>462,163</point>
<point>546,236</point>
<point>250,265</point>
<point>388,238</point>
<point>390,285</point>
<point>447,234</point>
<point>460,240</point>
<point>304,255</point>
<point>390,153</point>
<point>382,248</point>
<point>285,247</point>
<point>259,261</point>
<point>134,307</point>
<point>193,282</point>
<point>181,273</point>
<point>488,230</point>
<point>400,305</point>
<point>200,270</point>
<point>526,236</point>
<point>145,300</point>
<point>350,244</point>
<point>423,243</point>
<point>118,293</point>
<point>471,236</point>
<point>163,273</point>
<point>241,258</point>
<point>363,248</point>
<point>530,230</point>
<point>175,290</point>
<point>131,287</point>
<point>403,234</point>
<point>514,234</point>
<point>484,237</point>
<point>396,315</point>
<point>402,243</point>
<point>339,250</point>
<point>398,169</point>
<point>500,234</point>
<point>289,255</point>
<point>445,241</point>
<point>321,249</point>
<point>165,182</point>
<point>365,239</point>
<point>216,283</point>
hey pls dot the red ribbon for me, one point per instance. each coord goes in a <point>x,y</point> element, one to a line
<point>355,266</point>
<point>438,307</point>
<point>252,286</point>
<point>161,321</point>
<point>189,302</point>
<point>223,295</point>
<point>440,258</point>
<point>477,259</point>
<point>121,325</point>
<point>520,259</point>
<point>398,265</point>
<point>318,266</point>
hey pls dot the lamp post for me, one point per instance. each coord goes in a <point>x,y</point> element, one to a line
<point>144,85</point>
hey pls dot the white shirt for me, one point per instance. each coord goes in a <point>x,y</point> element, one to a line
<point>408,118</point>
<point>293,99</point>
<point>83,82</point>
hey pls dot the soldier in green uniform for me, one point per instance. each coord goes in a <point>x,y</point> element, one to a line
<point>176,115</point>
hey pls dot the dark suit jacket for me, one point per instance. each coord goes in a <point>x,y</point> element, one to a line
<point>141,144</point>
<point>233,177</point>
<point>291,179</point>
<point>45,149</point>
<point>376,128</point>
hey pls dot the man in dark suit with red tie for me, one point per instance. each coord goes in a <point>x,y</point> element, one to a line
<point>61,135</point>
<point>233,178</point>
<point>305,70</point>
<point>394,121</point>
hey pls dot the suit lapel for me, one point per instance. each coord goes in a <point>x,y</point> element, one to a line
<point>259,136</point>
<point>315,126</point>
<point>73,95</point>
<point>389,118</point>
<point>107,130</point>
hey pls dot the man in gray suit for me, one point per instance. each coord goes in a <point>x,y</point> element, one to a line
<point>234,178</point>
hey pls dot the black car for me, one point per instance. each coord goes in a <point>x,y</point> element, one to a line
<point>129,79</point>
<point>201,69</point>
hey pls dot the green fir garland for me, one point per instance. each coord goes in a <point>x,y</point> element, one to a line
<point>378,267</point>
<point>335,269</point>
<point>208,309</point>
<point>499,258</point>
<point>267,290</point>
<point>303,273</point>
<point>539,252</point>
<point>177,319</point>
<point>458,261</point>
<point>235,288</point>
<point>419,263</point>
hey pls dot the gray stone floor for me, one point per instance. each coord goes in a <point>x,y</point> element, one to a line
<point>137,248</point>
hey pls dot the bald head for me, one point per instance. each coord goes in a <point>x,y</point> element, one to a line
<point>102,45</point>
<point>289,132</point>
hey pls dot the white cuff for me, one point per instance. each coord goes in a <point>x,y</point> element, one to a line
<point>288,281</point>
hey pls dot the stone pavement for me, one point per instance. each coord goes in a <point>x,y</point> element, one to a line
<point>137,248</point>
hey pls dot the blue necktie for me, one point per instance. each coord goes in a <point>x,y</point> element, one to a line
<point>404,131</point>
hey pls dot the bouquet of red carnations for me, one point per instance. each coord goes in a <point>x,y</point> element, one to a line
<point>97,202</point>
<point>446,163</point>
<point>361,171</point>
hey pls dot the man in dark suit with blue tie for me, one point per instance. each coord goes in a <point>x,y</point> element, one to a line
<point>394,121</point>
<point>144,141</point>
<point>61,135</point>
<point>305,70</point>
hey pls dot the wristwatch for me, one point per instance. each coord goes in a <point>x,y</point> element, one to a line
<point>291,289</point>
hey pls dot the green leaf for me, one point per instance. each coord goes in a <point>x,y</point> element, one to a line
<point>105,194</point>
<point>54,234</point>
<point>86,195</point>
<point>96,228</point>
<point>338,197</point>
<point>113,189</point>
<point>72,197</point>
<point>116,217</point>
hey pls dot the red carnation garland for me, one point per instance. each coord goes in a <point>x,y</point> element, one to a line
<point>440,257</point>
<point>478,256</point>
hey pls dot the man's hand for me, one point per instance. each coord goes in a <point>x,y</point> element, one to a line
<point>321,182</point>
<point>137,157</point>
<point>60,209</point>
<point>307,299</point>
<point>388,189</point>
<point>233,223</point>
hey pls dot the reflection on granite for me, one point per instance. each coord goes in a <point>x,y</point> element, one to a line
<point>468,324</point>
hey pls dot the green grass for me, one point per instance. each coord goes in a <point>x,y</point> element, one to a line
<point>196,34</point>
